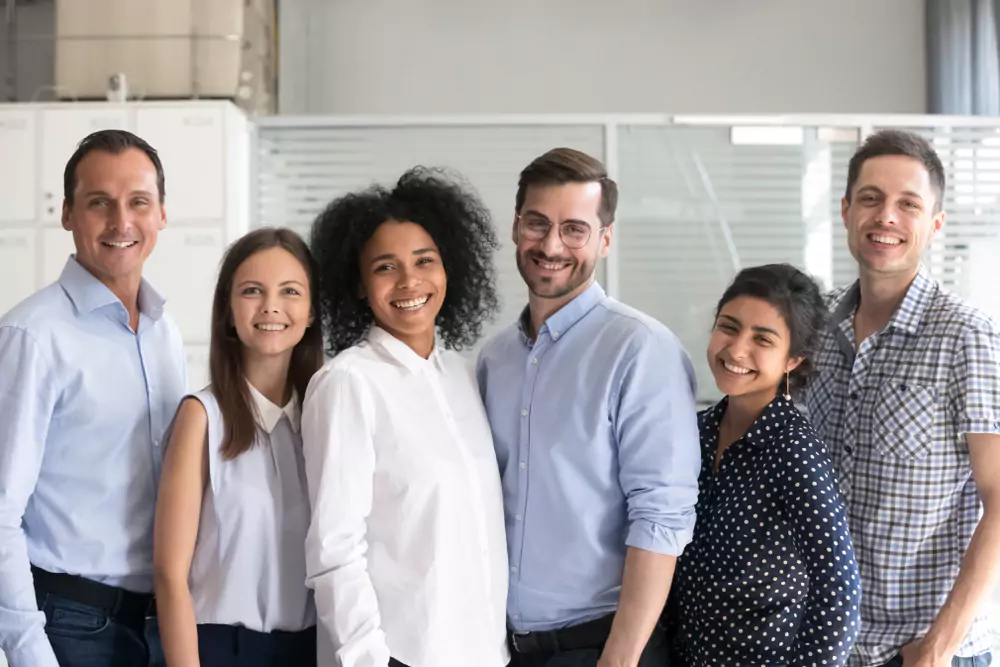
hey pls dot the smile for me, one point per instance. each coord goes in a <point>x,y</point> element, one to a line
<point>739,370</point>
<point>884,240</point>
<point>549,266</point>
<point>270,327</point>
<point>410,305</point>
<point>119,244</point>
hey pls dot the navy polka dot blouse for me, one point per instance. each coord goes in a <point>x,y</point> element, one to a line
<point>770,576</point>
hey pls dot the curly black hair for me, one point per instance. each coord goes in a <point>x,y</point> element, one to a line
<point>454,217</point>
<point>799,300</point>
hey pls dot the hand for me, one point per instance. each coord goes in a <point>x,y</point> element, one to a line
<point>609,659</point>
<point>919,654</point>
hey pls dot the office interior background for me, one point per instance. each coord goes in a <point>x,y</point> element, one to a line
<point>728,125</point>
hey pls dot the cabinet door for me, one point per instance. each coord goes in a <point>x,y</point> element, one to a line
<point>18,277</point>
<point>62,131</point>
<point>57,246</point>
<point>191,146</point>
<point>183,268</point>
<point>17,166</point>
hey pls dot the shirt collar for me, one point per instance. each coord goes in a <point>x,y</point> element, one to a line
<point>563,319</point>
<point>767,425</point>
<point>909,313</point>
<point>88,293</point>
<point>403,353</point>
<point>269,414</point>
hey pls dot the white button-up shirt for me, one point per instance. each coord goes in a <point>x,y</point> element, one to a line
<point>406,550</point>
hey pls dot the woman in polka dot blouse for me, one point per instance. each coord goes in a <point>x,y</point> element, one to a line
<point>770,576</point>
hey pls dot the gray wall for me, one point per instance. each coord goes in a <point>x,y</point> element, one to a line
<point>542,56</point>
<point>35,59</point>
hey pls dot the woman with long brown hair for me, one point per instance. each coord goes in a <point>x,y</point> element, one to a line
<point>233,509</point>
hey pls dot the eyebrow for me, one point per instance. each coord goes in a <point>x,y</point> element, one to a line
<point>546,218</point>
<point>389,255</point>
<point>102,193</point>
<point>257,282</point>
<point>757,329</point>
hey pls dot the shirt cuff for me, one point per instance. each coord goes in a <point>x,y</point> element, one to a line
<point>978,426</point>
<point>649,536</point>
<point>36,653</point>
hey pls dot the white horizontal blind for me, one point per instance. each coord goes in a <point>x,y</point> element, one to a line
<point>694,209</point>
<point>845,269</point>
<point>302,168</point>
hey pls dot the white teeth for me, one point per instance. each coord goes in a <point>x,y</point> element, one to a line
<point>736,369</point>
<point>887,240</point>
<point>120,244</point>
<point>271,327</point>
<point>550,267</point>
<point>410,304</point>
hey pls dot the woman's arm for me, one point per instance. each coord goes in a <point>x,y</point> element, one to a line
<point>818,518</point>
<point>178,513</point>
<point>337,425</point>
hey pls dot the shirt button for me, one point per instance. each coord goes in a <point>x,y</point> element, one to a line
<point>514,569</point>
<point>854,395</point>
<point>555,334</point>
<point>523,465</point>
<point>848,449</point>
<point>156,443</point>
<point>524,413</point>
<point>534,360</point>
<point>517,617</point>
<point>518,517</point>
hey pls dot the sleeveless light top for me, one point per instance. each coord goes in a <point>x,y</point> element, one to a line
<point>249,563</point>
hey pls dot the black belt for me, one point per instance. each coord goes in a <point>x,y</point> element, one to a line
<point>118,603</point>
<point>591,634</point>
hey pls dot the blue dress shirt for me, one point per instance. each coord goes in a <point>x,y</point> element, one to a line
<point>84,403</point>
<point>596,435</point>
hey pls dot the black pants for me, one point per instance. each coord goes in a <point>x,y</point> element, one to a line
<point>235,646</point>
<point>395,663</point>
<point>654,655</point>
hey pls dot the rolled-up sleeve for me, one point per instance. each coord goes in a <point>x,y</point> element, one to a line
<point>656,427</point>
<point>27,399</point>
<point>974,383</point>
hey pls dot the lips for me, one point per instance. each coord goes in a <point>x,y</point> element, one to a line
<point>410,305</point>
<point>885,239</point>
<point>120,245</point>
<point>548,265</point>
<point>736,369</point>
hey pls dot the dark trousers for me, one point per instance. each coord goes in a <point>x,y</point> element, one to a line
<point>236,646</point>
<point>85,636</point>
<point>654,655</point>
<point>395,663</point>
<point>984,660</point>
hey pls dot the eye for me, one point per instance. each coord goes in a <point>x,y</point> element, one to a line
<point>764,340</point>
<point>291,290</point>
<point>425,260</point>
<point>250,291</point>
<point>141,201</point>
<point>911,205</point>
<point>868,199</point>
<point>724,326</point>
<point>99,202</point>
<point>382,268</point>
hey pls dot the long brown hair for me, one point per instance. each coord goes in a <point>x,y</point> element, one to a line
<point>225,361</point>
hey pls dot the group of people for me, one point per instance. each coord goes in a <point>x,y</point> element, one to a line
<point>350,491</point>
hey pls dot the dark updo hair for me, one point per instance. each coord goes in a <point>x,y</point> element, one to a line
<point>799,300</point>
<point>453,216</point>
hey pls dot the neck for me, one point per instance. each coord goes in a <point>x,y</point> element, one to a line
<point>881,295</point>
<point>422,343</point>
<point>542,308</point>
<point>743,411</point>
<point>269,375</point>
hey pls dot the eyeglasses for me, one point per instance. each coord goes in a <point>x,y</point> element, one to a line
<point>573,233</point>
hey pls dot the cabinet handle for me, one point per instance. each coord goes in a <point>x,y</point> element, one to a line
<point>15,242</point>
<point>199,121</point>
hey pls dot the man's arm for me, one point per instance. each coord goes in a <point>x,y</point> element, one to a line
<point>659,454</point>
<point>27,400</point>
<point>980,568</point>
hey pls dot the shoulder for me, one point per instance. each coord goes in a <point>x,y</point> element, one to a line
<point>42,313</point>
<point>834,297</point>
<point>633,327</point>
<point>348,367</point>
<point>798,442</point>
<point>499,343</point>
<point>947,311</point>
<point>190,426</point>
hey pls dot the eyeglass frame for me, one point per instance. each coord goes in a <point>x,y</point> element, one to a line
<point>518,217</point>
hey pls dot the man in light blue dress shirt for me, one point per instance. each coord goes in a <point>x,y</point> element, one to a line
<point>593,415</point>
<point>92,370</point>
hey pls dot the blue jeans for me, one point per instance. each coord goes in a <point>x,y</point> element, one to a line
<point>984,660</point>
<point>85,636</point>
<point>235,646</point>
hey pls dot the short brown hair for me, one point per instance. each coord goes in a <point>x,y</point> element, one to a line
<point>115,142</point>
<point>566,165</point>
<point>898,142</point>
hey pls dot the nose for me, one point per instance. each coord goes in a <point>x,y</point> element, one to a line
<point>888,213</point>
<point>270,305</point>
<point>120,218</point>
<point>407,278</point>
<point>739,349</point>
<point>552,244</point>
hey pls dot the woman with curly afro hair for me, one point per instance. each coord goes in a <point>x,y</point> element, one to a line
<point>406,551</point>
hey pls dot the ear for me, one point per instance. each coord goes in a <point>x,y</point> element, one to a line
<point>604,243</point>
<point>513,230</point>
<point>844,205</point>
<point>65,216</point>
<point>938,222</point>
<point>163,218</point>
<point>793,363</point>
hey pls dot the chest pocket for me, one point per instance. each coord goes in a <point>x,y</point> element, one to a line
<point>904,419</point>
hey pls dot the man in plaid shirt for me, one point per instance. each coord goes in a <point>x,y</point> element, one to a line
<point>907,399</point>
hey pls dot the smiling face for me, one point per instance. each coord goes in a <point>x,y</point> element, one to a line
<point>551,269</point>
<point>270,301</point>
<point>748,352</point>
<point>404,281</point>
<point>116,214</point>
<point>891,216</point>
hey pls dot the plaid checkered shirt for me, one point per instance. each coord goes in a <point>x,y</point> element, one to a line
<point>893,415</point>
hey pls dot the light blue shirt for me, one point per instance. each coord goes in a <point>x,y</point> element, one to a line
<point>596,435</point>
<point>84,403</point>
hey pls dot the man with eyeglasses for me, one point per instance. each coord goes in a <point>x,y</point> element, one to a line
<point>593,415</point>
